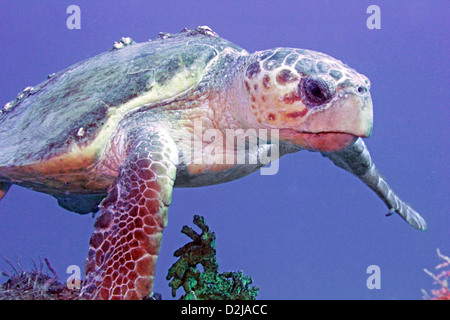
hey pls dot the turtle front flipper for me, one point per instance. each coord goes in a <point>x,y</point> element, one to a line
<point>4,187</point>
<point>356,159</point>
<point>126,241</point>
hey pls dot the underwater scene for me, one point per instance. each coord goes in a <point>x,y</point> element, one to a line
<point>101,100</point>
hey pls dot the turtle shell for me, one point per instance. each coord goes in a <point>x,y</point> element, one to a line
<point>76,110</point>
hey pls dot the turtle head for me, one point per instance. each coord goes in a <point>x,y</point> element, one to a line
<point>317,102</point>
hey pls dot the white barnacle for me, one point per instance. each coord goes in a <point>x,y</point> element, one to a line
<point>126,40</point>
<point>81,132</point>
<point>118,45</point>
<point>25,92</point>
<point>206,31</point>
<point>165,35</point>
<point>7,107</point>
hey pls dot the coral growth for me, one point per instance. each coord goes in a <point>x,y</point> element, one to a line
<point>198,285</point>
<point>35,285</point>
<point>441,279</point>
<point>209,284</point>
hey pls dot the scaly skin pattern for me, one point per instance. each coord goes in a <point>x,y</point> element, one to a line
<point>125,245</point>
<point>147,119</point>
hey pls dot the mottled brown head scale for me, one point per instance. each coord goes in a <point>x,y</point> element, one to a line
<point>293,89</point>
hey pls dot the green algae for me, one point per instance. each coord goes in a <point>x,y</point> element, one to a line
<point>207,284</point>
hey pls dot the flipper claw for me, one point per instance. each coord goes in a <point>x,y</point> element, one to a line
<point>390,213</point>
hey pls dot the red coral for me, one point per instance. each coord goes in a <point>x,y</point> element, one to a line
<point>441,279</point>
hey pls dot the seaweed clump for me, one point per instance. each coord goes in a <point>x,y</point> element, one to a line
<point>207,284</point>
<point>443,293</point>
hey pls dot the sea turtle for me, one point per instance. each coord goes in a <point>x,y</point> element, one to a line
<point>118,131</point>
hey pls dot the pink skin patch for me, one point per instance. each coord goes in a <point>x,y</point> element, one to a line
<point>291,97</point>
<point>297,114</point>
<point>247,86</point>
<point>324,141</point>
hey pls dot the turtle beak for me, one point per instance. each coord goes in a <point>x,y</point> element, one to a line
<point>356,116</point>
<point>349,113</point>
<point>337,126</point>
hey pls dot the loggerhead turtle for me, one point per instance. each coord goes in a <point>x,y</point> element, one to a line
<point>109,134</point>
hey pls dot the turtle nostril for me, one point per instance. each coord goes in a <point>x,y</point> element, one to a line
<point>362,89</point>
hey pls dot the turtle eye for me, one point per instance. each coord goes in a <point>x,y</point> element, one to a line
<point>315,92</point>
